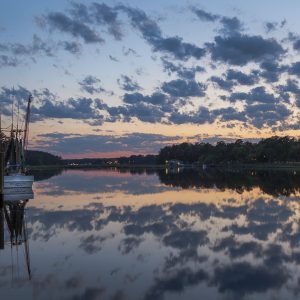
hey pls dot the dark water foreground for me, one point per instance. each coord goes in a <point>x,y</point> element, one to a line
<point>106,234</point>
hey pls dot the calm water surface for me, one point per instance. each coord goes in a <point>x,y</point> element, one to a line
<point>106,234</point>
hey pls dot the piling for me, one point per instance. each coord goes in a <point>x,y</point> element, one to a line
<point>1,172</point>
<point>1,223</point>
<point>1,200</point>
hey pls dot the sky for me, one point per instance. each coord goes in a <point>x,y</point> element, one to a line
<point>114,78</point>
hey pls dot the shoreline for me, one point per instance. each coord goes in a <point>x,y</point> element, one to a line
<point>227,167</point>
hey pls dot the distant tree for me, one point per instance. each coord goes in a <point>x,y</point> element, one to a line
<point>273,149</point>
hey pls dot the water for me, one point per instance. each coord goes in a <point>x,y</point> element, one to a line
<point>106,234</point>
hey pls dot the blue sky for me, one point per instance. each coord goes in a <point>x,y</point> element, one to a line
<point>114,78</point>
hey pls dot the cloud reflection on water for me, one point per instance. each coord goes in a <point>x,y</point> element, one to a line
<point>234,248</point>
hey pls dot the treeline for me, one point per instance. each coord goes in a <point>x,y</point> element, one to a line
<point>274,183</point>
<point>138,160</point>
<point>269,150</point>
<point>274,149</point>
<point>40,158</point>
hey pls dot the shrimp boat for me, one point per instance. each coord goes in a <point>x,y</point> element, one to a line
<point>16,180</point>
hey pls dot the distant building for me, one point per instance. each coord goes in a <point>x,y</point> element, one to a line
<point>174,163</point>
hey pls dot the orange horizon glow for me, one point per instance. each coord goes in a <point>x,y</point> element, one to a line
<point>103,155</point>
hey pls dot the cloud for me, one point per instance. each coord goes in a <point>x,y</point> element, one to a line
<point>92,243</point>
<point>243,278</point>
<point>80,19</point>
<point>204,15</point>
<point>296,43</point>
<point>19,95</point>
<point>77,144</point>
<point>295,69</point>
<point>186,239</point>
<point>90,293</point>
<point>90,84</point>
<point>270,26</point>
<point>241,77</point>
<point>237,250</point>
<point>80,12</point>
<point>240,49</point>
<point>222,83</point>
<point>72,47</point>
<point>271,71</point>
<point>103,14</point>
<point>255,259</point>
<point>36,46</point>
<point>105,182</point>
<point>273,26</point>
<point>61,22</point>
<point>156,98</point>
<point>182,71</point>
<point>153,35</point>
<point>257,94</point>
<point>127,245</point>
<point>112,58</point>
<point>291,86</point>
<point>261,110</point>
<point>231,26</point>
<point>129,51</point>
<point>262,211</point>
<point>171,102</point>
<point>147,108</point>
<point>232,78</point>
<point>8,95</point>
<point>176,283</point>
<point>266,114</point>
<point>178,48</point>
<point>128,84</point>
<point>145,112</point>
<point>7,61</point>
<point>184,88</point>
<point>139,20</point>
<point>80,109</point>
<point>202,116</point>
<point>229,114</point>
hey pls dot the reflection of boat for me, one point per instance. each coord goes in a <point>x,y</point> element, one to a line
<point>14,146</point>
<point>13,213</point>
<point>21,194</point>
<point>174,166</point>
<point>17,183</point>
<point>174,163</point>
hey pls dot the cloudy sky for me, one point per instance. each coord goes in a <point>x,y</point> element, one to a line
<point>114,78</point>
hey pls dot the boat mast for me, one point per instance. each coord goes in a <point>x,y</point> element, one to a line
<point>18,113</point>
<point>27,119</point>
